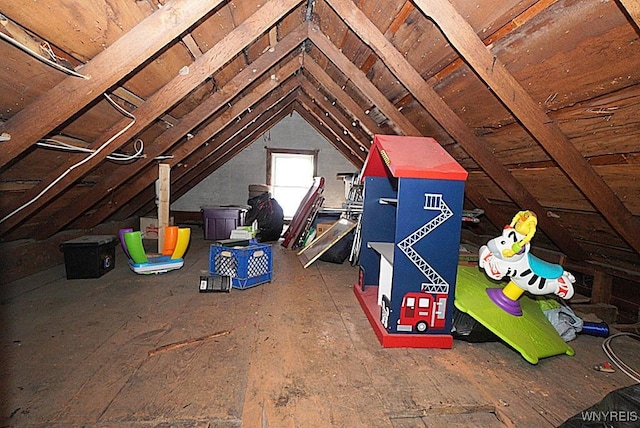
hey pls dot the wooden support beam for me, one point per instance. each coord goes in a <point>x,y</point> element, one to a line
<point>235,132</point>
<point>163,192</point>
<point>183,179</point>
<point>202,137</point>
<point>633,9</point>
<point>158,103</point>
<point>192,46</point>
<point>245,139</point>
<point>347,144</point>
<point>454,126</point>
<point>137,101</point>
<point>602,287</point>
<point>548,134</point>
<point>167,140</point>
<point>402,125</point>
<point>357,111</point>
<point>110,66</point>
<point>238,135</point>
<point>358,140</point>
<point>314,117</point>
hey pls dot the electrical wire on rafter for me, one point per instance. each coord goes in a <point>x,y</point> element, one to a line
<point>77,164</point>
<point>138,145</point>
<point>39,57</point>
<point>52,143</point>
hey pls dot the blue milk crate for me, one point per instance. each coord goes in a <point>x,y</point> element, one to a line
<point>247,266</point>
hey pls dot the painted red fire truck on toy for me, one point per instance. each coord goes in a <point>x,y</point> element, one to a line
<point>421,311</point>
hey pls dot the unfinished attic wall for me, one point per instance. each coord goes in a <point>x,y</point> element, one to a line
<point>229,184</point>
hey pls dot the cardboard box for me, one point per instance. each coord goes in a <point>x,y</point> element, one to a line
<point>149,227</point>
<point>322,228</point>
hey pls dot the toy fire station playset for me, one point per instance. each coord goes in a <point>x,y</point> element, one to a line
<point>410,241</point>
<point>410,230</point>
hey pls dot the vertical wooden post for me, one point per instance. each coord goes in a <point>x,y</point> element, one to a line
<point>164,184</point>
<point>602,287</point>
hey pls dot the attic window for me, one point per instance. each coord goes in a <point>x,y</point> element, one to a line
<point>290,174</point>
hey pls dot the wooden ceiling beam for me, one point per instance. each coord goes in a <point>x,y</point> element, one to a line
<point>200,138</point>
<point>216,57</point>
<point>540,125</point>
<point>315,117</point>
<point>249,134</point>
<point>73,94</point>
<point>229,134</point>
<point>189,122</point>
<point>454,126</point>
<point>401,124</point>
<point>331,106</point>
<point>183,179</point>
<point>356,144</point>
<point>633,9</point>
<point>346,101</point>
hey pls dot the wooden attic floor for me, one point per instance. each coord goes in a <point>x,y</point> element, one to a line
<point>299,353</point>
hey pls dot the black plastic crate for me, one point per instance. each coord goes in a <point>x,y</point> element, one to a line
<point>89,256</point>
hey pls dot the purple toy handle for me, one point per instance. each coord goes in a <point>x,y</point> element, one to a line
<point>124,246</point>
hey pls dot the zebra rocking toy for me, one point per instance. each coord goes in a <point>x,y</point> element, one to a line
<point>508,256</point>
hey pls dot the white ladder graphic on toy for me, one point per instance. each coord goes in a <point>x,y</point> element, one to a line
<point>435,284</point>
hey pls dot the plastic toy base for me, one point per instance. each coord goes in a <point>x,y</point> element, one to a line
<point>160,264</point>
<point>509,306</point>
<point>530,334</point>
<point>369,302</point>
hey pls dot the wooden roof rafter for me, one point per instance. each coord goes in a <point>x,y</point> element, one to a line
<point>332,87</point>
<point>105,70</point>
<point>326,127</point>
<point>356,143</point>
<point>533,117</point>
<point>186,178</point>
<point>201,158</point>
<point>342,104</point>
<point>156,105</point>
<point>360,80</point>
<point>245,132</point>
<point>633,9</point>
<point>453,125</point>
<point>187,150</point>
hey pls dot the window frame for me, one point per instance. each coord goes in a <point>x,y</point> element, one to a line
<point>302,152</point>
<point>272,151</point>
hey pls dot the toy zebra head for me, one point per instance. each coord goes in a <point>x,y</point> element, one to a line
<point>504,244</point>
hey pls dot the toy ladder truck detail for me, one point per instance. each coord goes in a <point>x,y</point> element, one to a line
<point>433,202</point>
<point>420,311</point>
<point>424,309</point>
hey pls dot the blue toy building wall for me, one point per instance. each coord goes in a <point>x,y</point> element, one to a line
<point>378,224</point>
<point>439,247</point>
